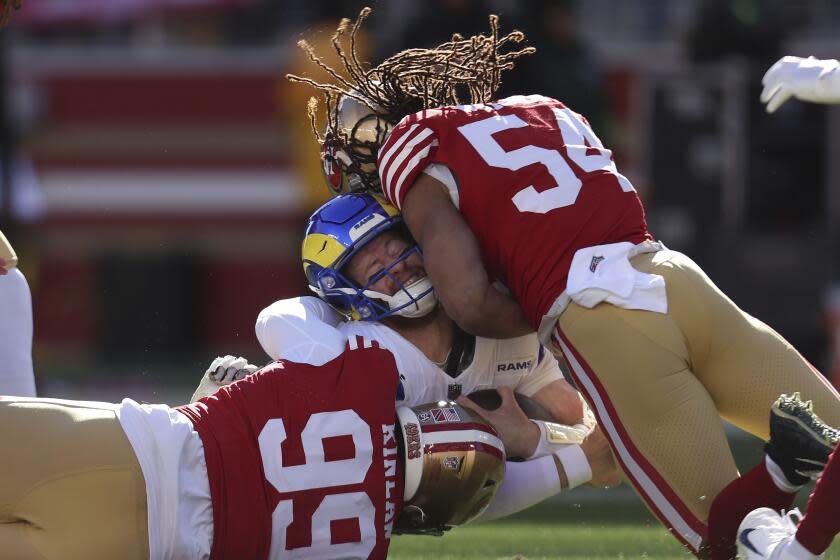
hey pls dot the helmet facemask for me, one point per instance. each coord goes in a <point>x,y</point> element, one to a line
<point>350,148</point>
<point>413,300</point>
<point>346,225</point>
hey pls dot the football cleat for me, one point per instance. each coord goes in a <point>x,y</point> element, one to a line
<point>764,534</point>
<point>800,442</point>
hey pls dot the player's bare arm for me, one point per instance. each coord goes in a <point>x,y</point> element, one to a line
<point>562,401</point>
<point>453,261</point>
<point>522,437</point>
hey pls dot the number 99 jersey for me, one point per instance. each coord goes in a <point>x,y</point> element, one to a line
<point>302,460</point>
<point>530,177</point>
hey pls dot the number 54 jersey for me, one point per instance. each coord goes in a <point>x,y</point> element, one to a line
<point>530,177</point>
<point>302,460</point>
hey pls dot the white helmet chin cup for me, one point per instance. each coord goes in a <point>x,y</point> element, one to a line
<point>417,299</point>
<point>423,294</point>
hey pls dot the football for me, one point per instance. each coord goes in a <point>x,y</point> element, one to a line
<point>490,399</point>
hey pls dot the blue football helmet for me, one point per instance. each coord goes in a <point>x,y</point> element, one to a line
<point>335,233</point>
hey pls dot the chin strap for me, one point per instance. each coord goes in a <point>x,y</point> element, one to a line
<point>462,353</point>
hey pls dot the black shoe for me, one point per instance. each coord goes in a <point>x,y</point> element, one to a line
<point>800,442</point>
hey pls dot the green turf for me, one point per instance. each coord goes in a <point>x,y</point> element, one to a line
<point>613,528</point>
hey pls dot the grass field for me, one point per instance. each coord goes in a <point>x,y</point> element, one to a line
<point>614,525</point>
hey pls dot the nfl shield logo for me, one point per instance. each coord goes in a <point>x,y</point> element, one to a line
<point>452,463</point>
<point>594,263</point>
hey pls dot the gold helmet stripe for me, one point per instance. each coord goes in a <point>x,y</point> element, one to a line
<point>387,206</point>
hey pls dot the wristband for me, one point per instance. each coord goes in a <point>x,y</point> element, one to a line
<point>553,437</point>
<point>576,465</point>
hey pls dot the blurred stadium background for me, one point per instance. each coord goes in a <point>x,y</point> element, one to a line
<point>157,169</point>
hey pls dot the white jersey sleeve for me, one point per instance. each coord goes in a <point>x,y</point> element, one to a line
<point>16,375</point>
<point>171,456</point>
<point>302,329</point>
<point>545,370</point>
<point>525,484</point>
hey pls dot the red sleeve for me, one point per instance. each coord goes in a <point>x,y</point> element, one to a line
<point>406,152</point>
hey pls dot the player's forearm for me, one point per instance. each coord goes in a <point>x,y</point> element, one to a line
<point>562,401</point>
<point>454,264</point>
<point>489,314</point>
<point>452,258</point>
<point>530,482</point>
<point>525,484</point>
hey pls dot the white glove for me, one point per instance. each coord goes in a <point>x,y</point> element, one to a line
<point>223,371</point>
<point>807,79</point>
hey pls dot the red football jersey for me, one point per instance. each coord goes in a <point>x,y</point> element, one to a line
<point>302,460</point>
<point>532,180</point>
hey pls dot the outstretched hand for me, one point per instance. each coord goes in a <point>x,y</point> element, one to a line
<point>808,79</point>
<point>519,435</point>
<point>224,370</point>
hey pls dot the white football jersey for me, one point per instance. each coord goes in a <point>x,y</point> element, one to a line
<point>308,330</point>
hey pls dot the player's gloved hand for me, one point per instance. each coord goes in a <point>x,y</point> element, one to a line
<point>224,370</point>
<point>519,435</point>
<point>227,369</point>
<point>807,79</point>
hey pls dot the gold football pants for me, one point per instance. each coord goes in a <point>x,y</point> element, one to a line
<point>659,383</point>
<point>70,484</point>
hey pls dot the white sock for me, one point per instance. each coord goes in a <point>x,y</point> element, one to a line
<point>778,476</point>
<point>793,550</point>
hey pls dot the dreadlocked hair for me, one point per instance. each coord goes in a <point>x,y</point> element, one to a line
<point>6,10</point>
<point>458,71</point>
